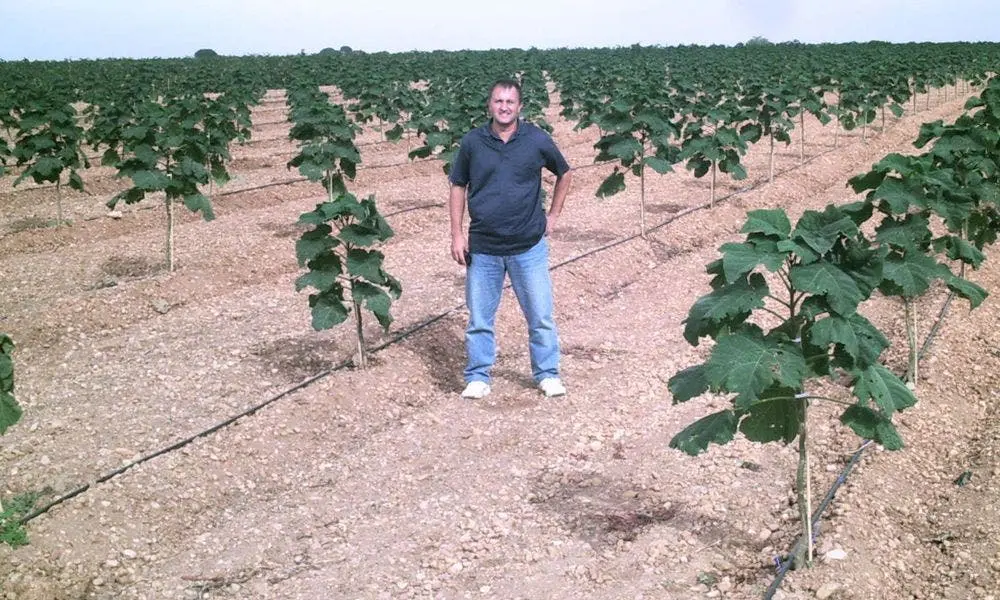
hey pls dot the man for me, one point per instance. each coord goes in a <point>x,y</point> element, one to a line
<point>498,170</point>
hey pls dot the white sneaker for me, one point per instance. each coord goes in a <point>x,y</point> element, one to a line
<point>476,390</point>
<point>552,387</point>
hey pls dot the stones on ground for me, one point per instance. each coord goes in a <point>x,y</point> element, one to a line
<point>161,306</point>
<point>835,554</point>
<point>827,590</point>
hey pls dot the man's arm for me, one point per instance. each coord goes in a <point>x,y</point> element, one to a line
<point>558,199</point>
<point>456,210</point>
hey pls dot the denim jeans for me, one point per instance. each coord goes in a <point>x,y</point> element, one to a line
<point>529,276</point>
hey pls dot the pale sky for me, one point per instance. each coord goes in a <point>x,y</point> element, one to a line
<point>67,29</point>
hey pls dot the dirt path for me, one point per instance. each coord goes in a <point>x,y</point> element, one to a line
<point>384,484</point>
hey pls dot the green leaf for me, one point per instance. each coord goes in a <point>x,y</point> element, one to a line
<point>911,232</point>
<point>688,383</point>
<point>313,243</point>
<point>328,308</point>
<point>613,184</point>
<point>872,426</point>
<point>374,299</point>
<point>199,203</point>
<point>826,279</point>
<point>775,417</point>
<point>747,363</point>
<point>150,181</point>
<point>366,264</point>
<point>10,411</point>
<point>324,271</point>
<point>719,428</point>
<point>740,259</point>
<point>772,222</point>
<point>967,289</point>
<point>912,273</point>
<point>881,386</point>
<point>820,231</point>
<point>356,234</point>
<point>658,164</point>
<point>724,307</point>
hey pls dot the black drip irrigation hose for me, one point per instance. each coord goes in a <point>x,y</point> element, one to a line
<point>398,337</point>
<point>785,565</point>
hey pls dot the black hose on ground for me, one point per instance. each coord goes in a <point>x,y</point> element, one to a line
<point>786,564</point>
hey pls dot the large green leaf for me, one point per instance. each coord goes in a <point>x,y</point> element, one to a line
<point>719,428</point>
<point>374,299</point>
<point>612,184</point>
<point>747,363</point>
<point>826,279</point>
<point>881,386</point>
<point>10,411</point>
<point>740,259</point>
<point>871,425</point>
<point>725,306</point>
<point>775,417</point>
<point>313,243</point>
<point>772,222</point>
<point>688,383</point>
<point>328,308</point>
<point>820,231</point>
<point>366,264</point>
<point>967,289</point>
<point>912,274</point>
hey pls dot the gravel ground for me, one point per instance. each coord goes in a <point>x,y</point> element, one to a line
<point>384,483</point>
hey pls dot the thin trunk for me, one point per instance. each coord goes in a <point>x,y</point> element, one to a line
<point>864,130</point>
<point>362,355</point>
<point>928,97</point>
<point>914,98</point>
<point>836,132</point>
<point>911,340</point>
<point>770,167</point>
<point>59,207</point>
<point>883,118</point>
<point>712,201</point>
<point>170,235</point>
<point>642,193</point>
<point>802,136</point>
<point>803,488</point>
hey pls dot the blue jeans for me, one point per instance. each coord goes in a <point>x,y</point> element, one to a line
<point>529,276</point>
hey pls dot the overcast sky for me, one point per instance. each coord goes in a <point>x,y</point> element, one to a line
<point>68,29</point>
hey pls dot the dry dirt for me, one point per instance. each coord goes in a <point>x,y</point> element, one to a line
<point>384,483</point>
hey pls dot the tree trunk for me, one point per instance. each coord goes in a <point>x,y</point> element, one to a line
<point>802,136</point>
<point>803,488</point>
<point>362,354</point>
<point>911,340</point>
<point>59,206</point>
<point>170,235</point>
<point>770,167</point>
<point>642,193</point>
<point>712,200</point>
<point>883,119</point>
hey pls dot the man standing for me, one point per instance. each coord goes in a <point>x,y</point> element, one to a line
<point>498,168</point>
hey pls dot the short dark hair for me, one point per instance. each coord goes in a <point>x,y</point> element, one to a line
<point>505,84</point>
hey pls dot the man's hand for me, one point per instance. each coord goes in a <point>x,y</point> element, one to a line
<point>550,224</point>
<point>459,248</point>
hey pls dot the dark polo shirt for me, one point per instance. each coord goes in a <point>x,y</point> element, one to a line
<point>504,186</point>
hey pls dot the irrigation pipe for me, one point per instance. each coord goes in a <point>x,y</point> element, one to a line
<point>398,337</point>
<point>786,564</point>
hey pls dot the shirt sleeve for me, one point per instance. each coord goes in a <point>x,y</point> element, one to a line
<point>555,162</point>
<point>459,173</point>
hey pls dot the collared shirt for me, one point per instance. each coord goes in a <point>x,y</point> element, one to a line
<point>504,186</point>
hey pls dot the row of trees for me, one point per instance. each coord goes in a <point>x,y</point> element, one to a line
<point>785,306</point>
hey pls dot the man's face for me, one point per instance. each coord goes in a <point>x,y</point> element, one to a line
<point>505,105</point>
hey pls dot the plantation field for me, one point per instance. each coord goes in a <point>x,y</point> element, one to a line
<point>384,483</point>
